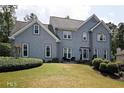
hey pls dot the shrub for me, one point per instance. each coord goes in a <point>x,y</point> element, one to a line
<point>96,62</point>
<point>49,61</point>
<point>121,66</point>
<point>64,58</point>
<point>55,60</point>
<point>103,67</point>
<point>12,64</point>
<point>113,68</point>
<point>73,59</point>
<point>5,49</point>
<point>106,61</point>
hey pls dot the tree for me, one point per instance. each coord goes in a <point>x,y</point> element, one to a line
<point>30,17</point>
<point>8,15</point>
<point>120,36</point>
<point>114,32</point>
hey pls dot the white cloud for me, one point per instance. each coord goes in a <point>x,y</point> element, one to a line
<point>45,11</point>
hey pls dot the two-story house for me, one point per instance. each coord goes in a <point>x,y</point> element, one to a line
<point>62,37</point>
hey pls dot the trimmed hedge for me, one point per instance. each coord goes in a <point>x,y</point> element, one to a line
<point>106,61</point>
<point>5,49</point>
<point>12,64</point>
<point>113,68</point>
<point>103,67</point>
<point>96,63</point>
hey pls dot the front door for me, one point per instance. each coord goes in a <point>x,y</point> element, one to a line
<point>85,54</point>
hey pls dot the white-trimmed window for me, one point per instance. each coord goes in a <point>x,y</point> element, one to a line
<point>101,37</point>
<point>36,29</point>
<point>67,53</point>
<point>105,54</point>
<point>48,51</point>
<point>67,35</point>
<point>25,50</point>
<point>95,53</point>
<point>84,36</point>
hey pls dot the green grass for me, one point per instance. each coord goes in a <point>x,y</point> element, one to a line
<point>58,75</point>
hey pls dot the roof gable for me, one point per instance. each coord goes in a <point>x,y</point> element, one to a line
<point>103,23</point>
<point>93,16</point>
<point>30,24</point>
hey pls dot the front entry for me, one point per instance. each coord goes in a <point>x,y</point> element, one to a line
<point>85,54</point>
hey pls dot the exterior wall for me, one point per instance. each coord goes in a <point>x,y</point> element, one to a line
<point>101,45</point>
<point>120,58</point>
<point>76,42</point>
<point>37,42</point>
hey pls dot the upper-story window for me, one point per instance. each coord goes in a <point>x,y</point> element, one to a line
<point>67,35</point>
<point>36,29</point>
<point>84,36</point>
<point>101,37</point>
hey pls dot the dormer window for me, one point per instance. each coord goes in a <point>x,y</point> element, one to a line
<point>101,37</point>
<point>84,36</point>
<point>67,35</point>
<point>36,29</point>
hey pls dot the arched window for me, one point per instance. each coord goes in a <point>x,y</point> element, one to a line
<point>48,51</point>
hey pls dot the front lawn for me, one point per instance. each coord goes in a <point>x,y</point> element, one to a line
<point>58,75</point>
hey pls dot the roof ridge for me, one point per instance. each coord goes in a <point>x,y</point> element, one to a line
<point>66,18</point>
<point>21,21</point>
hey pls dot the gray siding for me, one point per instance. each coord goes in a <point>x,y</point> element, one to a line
<point>101,45</point>
<point>37,42</point>
<point>76,42</point>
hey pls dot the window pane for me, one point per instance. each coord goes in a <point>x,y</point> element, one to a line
<point>101,37</point>
<point>69,36</point>
<point>105,54</point>
<point>69,55</point>
<point>95,52</point>
<point>69,52</point>
<point>65,36</point>
<point>36,29</point>
<point>85,53</point>
<point>25,50</point>
<point>65,55</point>
<point>25,53</point>
<point>84,36</point>
<point>48,51</point>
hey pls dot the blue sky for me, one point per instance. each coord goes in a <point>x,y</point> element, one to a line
<point>113,14</point>
<point>108,13</point>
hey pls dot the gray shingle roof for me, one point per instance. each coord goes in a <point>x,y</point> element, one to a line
<point>18,25</point>
<point>65,23</point>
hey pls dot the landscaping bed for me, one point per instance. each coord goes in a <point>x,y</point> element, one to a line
<point>13,64</point>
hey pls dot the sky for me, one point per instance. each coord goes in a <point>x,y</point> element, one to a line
<point>107,13</point>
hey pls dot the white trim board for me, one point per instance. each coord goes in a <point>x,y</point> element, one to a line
<point>103,23</point>
<point>93,16</point>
